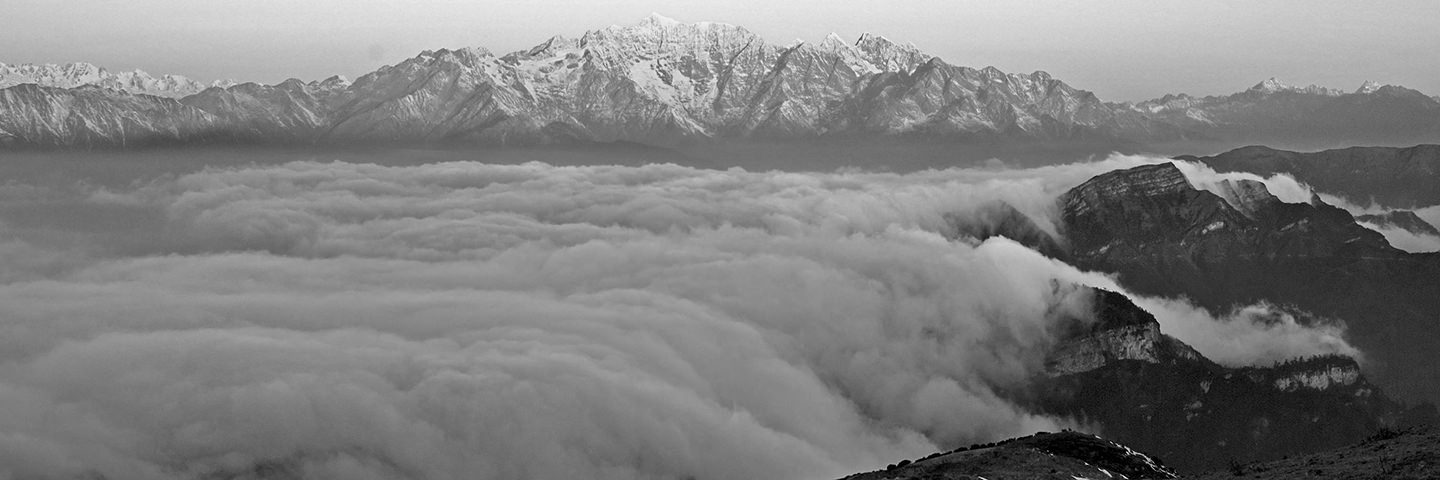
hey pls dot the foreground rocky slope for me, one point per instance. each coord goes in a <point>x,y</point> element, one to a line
<point>664,82</point>
<point>1412,453</point>
<point>1386,454</point>
<point>1063,456</point>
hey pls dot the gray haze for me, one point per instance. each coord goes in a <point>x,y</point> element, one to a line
<point>1122,50</point>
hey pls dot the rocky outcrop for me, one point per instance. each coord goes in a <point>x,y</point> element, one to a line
<point>1318,373</point>
<point>1117,331</point>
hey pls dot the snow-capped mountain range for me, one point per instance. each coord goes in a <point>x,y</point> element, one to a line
<point>665,82</point>
<point>73,75</point>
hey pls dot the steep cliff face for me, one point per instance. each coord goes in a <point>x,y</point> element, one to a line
<point>1319,374</point>
<point>1250,197</point>
<point>1117,331</point>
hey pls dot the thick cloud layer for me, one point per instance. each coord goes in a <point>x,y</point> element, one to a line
<point>463,320</point>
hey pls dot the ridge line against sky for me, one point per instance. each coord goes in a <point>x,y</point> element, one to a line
<point>1124,50</point>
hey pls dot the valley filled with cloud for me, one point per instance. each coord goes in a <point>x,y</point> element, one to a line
<point>470,320</point>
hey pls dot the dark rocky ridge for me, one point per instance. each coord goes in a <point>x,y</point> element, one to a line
<point>1166,238</point>
<point>1148,390</point>
<point>1393,177</point>
<point>1063,456</point>
<point>1385,454</point>
<point>1410,453</point>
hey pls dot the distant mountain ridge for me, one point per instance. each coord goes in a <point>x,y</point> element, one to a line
<point>1396,177</point>
<point>72,75</point>
<point>664,82</point>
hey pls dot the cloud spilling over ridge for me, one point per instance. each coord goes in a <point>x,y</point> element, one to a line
<point>1290,190</point>
<point>1404,239</point>
<point>463,320</point>
<point>1282,186</point>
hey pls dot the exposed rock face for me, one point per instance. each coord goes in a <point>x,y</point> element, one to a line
<point>1120,331</point>
<point>1164,237</point>
<point>1250,197</point>
<point>1393,177</point>
<point>664,82</point>
<point>1064,456</point>
<point>1154,392</point>
<point>1321,373</point>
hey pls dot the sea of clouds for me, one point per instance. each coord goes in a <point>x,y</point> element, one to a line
<point>465,320</point>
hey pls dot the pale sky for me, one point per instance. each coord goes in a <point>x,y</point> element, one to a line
<point>1121,50</point>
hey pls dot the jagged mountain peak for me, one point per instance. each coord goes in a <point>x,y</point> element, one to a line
<point>1274,85</point>
<point>888,55</point>
<point>1370,86</point>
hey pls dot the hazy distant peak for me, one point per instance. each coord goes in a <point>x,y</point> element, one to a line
<point>336,80</point>
<point>658,19</point>
<point>1274,85</point>
<point>1370,86</point>
<point>72,75</point>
